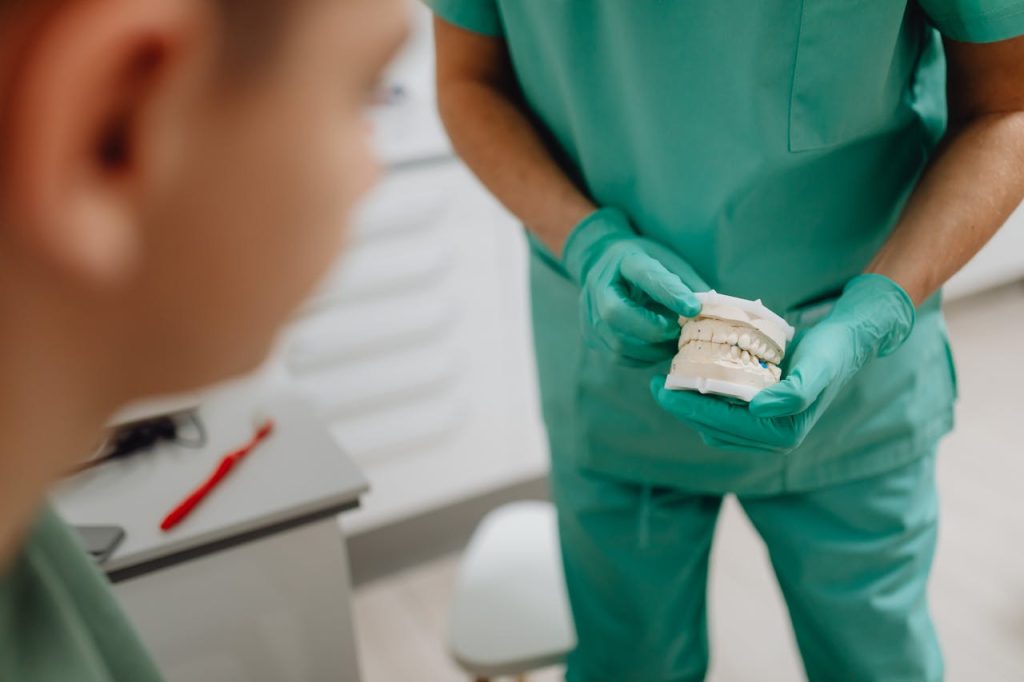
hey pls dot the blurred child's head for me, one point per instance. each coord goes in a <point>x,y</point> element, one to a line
<point>176,175</point>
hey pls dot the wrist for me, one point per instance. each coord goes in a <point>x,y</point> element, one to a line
<point>590,237</point>
<point>888,314</point>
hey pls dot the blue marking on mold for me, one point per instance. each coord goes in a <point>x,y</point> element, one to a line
<point>763,364</point>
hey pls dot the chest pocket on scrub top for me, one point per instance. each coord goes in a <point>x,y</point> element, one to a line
<point>854,66</point>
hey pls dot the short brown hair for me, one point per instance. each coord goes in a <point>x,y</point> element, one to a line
<point>250,28</point>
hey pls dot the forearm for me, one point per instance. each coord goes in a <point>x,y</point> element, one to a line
<point>498,141</point>
<point>963,199</point>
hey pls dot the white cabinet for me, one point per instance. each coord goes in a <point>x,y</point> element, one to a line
<point>417,349</point>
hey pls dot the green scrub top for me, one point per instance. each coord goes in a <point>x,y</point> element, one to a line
<point>58,619</point>
<point>771,144</point>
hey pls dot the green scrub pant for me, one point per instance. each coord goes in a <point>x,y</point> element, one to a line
<point>852,560</point>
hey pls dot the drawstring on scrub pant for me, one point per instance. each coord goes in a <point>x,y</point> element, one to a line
<point>643,531</point>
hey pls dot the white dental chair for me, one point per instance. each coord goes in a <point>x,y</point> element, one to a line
<point>510,611</point>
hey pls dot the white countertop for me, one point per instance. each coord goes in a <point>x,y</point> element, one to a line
<point>297,475</point>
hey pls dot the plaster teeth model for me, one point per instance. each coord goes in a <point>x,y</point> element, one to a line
<point>733,348</point>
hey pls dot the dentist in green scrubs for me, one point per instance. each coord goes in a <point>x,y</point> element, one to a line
<point>839,160</point>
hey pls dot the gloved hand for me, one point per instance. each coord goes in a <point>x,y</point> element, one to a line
<point>633,289</point>
<point>872,318</point>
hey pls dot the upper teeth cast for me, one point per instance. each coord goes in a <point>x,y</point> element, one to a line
<point>751,341</point>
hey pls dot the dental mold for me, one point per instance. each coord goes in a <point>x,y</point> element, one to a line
<point>732,348</point>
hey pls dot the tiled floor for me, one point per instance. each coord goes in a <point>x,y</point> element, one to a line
<point>978,585</point>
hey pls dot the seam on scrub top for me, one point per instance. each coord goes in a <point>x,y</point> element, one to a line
<point>792,82</point>
<point>580,441</point>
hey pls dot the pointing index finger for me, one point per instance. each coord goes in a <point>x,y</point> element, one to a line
<point>656,281</point>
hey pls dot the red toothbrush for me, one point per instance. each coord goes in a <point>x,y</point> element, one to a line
<point>229,461</point>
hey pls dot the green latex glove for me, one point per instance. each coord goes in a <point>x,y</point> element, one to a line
<point>633,290</point>
<point>872,318</point>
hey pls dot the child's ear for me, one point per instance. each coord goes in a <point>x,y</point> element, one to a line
<point>75,159</point>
